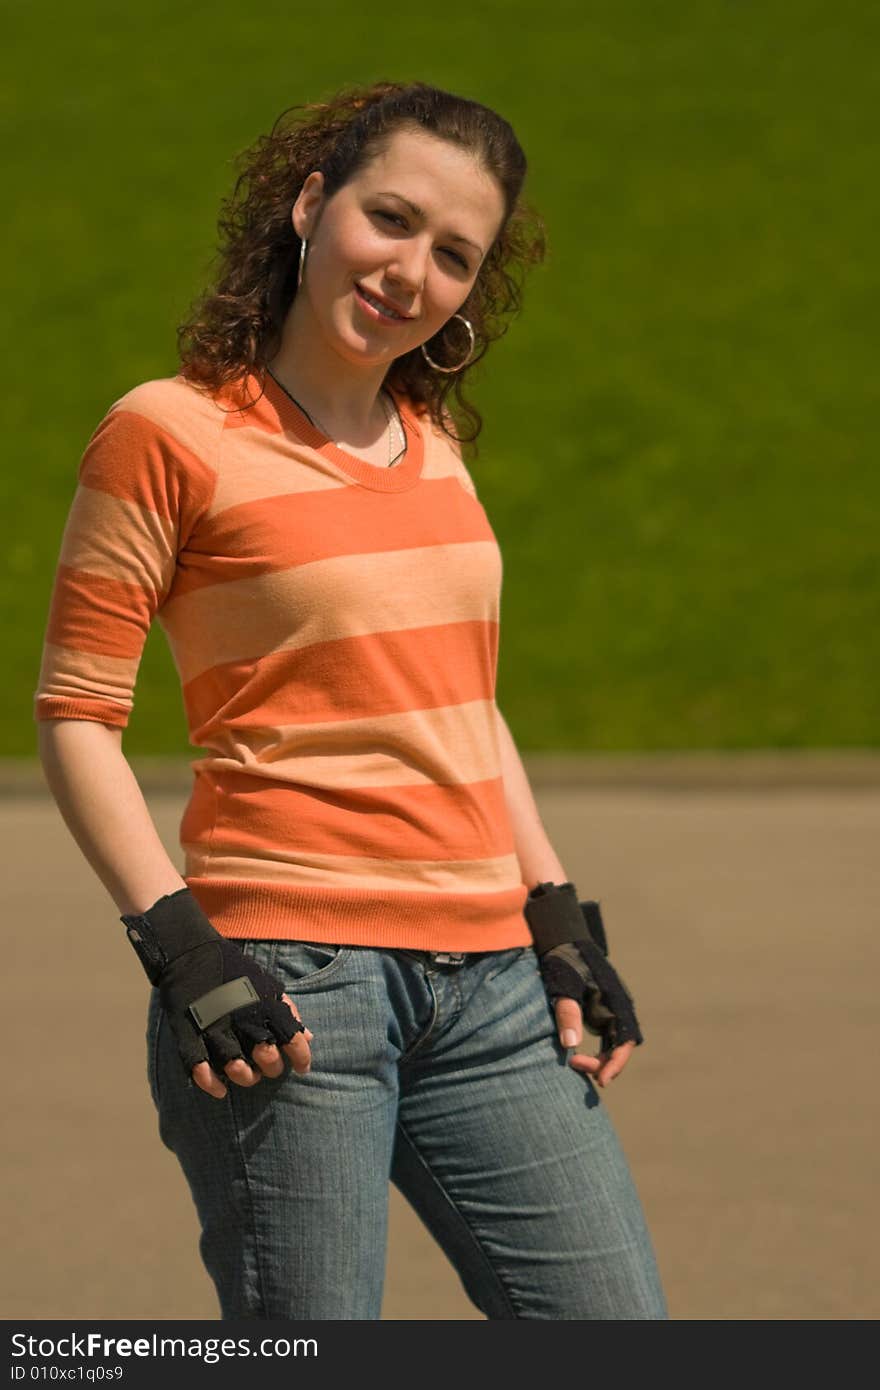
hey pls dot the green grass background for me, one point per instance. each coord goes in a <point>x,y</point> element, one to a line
<point>679,455</point>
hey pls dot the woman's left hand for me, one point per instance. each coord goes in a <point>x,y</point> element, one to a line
<point>603,1067</point>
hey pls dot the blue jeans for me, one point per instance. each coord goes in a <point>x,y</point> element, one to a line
<point>446,1079</point>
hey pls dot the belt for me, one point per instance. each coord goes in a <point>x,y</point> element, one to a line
<point>435,957</point>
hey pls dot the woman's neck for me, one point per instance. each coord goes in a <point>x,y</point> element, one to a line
<point>341,398</point>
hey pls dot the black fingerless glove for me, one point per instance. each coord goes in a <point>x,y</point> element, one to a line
<point>218,1001</point>
<point>572,948</point>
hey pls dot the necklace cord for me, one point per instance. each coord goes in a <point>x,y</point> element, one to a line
<point>317,424</point>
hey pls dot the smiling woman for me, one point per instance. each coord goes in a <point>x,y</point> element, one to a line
<point>380,285</point>
<point>411,193</point>
<point>360,840</point>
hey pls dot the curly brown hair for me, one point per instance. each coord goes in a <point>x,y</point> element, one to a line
<point>235,327</point>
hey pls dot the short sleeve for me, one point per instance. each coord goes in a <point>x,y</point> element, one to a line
<point>447,437</point>
<point>465,478</point>
<point>139,494</point>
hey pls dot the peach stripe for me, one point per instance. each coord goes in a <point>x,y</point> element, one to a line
<point>75,673</point>
<point>113,538</point>
<point>304,868</point>
<point>455,743</point>
<point>341,597</point>
<point>258,465</point>
<point>173,410</point>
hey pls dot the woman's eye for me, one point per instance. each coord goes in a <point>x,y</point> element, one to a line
<point>393,217</point>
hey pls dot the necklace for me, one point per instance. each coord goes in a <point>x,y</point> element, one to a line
<point>392,417</point>
<point>395,419</point>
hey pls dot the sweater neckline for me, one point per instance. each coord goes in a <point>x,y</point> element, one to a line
<point>396,478</point>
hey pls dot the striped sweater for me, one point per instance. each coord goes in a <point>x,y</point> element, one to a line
<point>334,625</point>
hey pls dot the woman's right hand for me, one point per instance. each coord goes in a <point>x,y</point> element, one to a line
<point>267,1057</point>
<point>222,1007</point>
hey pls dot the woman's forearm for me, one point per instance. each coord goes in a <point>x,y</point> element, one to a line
<point>537,858</point>
<point>103,807</point>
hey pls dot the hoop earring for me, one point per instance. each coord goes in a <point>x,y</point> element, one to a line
<point>470,352</point>
<point>302,260</point>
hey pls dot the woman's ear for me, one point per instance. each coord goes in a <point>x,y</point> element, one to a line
<point>305,210</point>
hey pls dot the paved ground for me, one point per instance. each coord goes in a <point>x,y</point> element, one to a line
<point>745,916</point>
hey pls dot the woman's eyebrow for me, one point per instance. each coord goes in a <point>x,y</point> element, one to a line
<point>419,212</point>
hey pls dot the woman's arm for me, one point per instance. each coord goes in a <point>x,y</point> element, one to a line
<point>98,795</point>
<point>103,807</point>
<point>537,858</point>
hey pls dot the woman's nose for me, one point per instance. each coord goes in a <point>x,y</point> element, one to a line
<point>409,267</point>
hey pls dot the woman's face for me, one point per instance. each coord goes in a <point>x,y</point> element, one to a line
<point>422,263</point>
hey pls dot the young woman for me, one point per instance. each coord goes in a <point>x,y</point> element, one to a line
<point>374,965</point>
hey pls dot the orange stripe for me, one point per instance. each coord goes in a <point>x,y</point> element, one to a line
<point>419,920</point>
<point>424,822</point>
<point>292,528</point>
<point>125,613</point>
<point>63,707</point>
<point>419,668</point>
<point>134,459</point>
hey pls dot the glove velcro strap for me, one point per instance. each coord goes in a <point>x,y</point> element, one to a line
<point>593,919</point>
<point>554,915</point>
<point>174,924</point>
<point>222,1000</point>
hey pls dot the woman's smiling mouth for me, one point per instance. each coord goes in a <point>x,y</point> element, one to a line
<point>378,310</point>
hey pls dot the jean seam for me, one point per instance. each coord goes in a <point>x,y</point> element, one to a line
<point>253,1215</point>
<point>426,1034</point>
<point>462,1219</point>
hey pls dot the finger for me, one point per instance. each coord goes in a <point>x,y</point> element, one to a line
<point>308,1035</point>
<point>207,1080</point>
<point>260,1032</point>
<point>268,1059</point>
<point>243,1075</point>
<point>606,1066</point>
<point>616,1062</point>
<point>589,1065</point>
<point>298,1053</point>
<point>569,1021</point>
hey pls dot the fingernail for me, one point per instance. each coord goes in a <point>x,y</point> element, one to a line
<point>569,1037</point>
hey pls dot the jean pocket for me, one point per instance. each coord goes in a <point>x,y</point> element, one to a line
<point>300,963</point>
<point>503,960</point>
